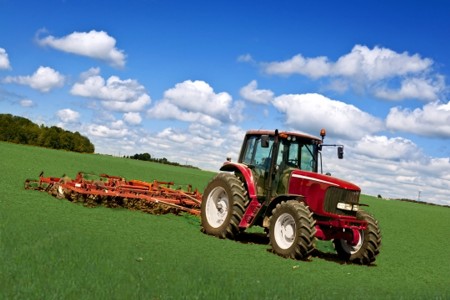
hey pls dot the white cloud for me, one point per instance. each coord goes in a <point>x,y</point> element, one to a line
<point>132,118</point>
<point>67,115</point>
<point>187,145</point>
<point>382,147</point>
<point>4,60</point>
<point>195,101</point>
<point>372,64</point>
<point>103,131</point>
<point>166,110</point>
<point>44,79</point>
<point>431,120</point>
<point>94,44</point>
<point>26,103</point>
<point>197,144</point>
<point>311,67</point>
<point>172,135</point>
<point>198,96</point>
<point>245,58</point>
<point>311,112</point>
<point>418,88</point>
<point>372,70</point>
<point>116,94</point>
<point>137,104</point>
<point>379,63</point>
<point>251,93</point>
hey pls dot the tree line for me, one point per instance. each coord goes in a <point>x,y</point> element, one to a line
<point>20,130</point>
<point>147,157</point>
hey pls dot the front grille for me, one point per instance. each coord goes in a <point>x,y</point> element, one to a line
<point>334,195</point>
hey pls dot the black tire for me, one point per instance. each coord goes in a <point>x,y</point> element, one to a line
<point>223,205</point>
<point>292,230</point>
<point>368,247</point>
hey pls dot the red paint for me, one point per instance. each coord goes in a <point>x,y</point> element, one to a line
<point>313,186</point>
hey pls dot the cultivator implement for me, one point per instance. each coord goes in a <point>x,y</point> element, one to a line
<point>157,197</point>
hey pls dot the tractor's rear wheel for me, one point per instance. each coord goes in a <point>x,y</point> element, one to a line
<point>368,245</point>
<point>292,230</point>
<point>223,205</point>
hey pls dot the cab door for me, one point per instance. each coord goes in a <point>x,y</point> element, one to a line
<point>257,156</point>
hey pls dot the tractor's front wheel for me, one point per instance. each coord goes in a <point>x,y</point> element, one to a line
<point>292,230</point>
<point>367,246</point>
<point>223,206</point>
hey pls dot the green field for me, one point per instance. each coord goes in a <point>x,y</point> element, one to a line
<point>54,249</point>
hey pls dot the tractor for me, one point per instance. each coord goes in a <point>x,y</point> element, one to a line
<point>278,184</point>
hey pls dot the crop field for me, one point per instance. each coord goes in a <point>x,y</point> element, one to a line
<point>55,249</point>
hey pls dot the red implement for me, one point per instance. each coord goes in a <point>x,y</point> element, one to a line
<point>155,197</point>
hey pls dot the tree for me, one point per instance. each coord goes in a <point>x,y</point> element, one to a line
<point>22,131</point>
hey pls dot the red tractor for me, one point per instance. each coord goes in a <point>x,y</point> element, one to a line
<point>276,184</point>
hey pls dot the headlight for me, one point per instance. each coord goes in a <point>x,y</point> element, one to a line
<point>347,206</point>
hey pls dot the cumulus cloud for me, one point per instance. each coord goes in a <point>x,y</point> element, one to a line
<point>198,96</point>
<point>166,110</point>
<point>394,149</point>
<point>310,112</point>
<point>379,63</point>
<point>103,131</point>
<point>251,93</point>
<point>311,67</point>
<point>370,69</point>
<point>93,44</point>
<point>4,60</point>
<point>115,94</point>
<point>183,145</point>
<point>132,118</point>
<point>431,120</point>
<point>373,64</point>
<point>419,88</point>
<point>44,79</point>
<point>195,101</point>
<point>171,134</point>
<point>67,115</point>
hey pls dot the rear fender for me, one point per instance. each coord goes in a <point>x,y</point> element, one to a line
<point>246,174</point>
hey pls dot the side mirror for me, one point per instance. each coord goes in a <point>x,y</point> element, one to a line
<point>340,152</point>
<point>265,141</point>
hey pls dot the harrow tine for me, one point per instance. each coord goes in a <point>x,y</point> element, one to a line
<point>190,210</point>
<point>193,199</point>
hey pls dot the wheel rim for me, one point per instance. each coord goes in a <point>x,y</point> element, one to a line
<point>284,231</point>
<point>217,206</point>
<point>353,249</point>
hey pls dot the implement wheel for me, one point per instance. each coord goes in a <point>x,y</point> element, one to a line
<point>223,206</point>
<point>368,245</point>
<point>292,231</point>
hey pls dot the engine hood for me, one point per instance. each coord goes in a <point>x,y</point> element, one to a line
<point>324,180</point>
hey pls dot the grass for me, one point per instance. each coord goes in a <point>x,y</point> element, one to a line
<point>54,249</point>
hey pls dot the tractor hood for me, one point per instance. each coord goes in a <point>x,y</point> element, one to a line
<point>322,193</point>
<point>309,179</point>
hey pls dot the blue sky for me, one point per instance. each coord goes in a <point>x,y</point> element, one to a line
<point>185,79</point>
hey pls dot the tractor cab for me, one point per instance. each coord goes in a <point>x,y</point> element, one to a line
<point>273,155</point>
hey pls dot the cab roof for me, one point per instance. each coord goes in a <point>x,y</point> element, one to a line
<point>281,133</point>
